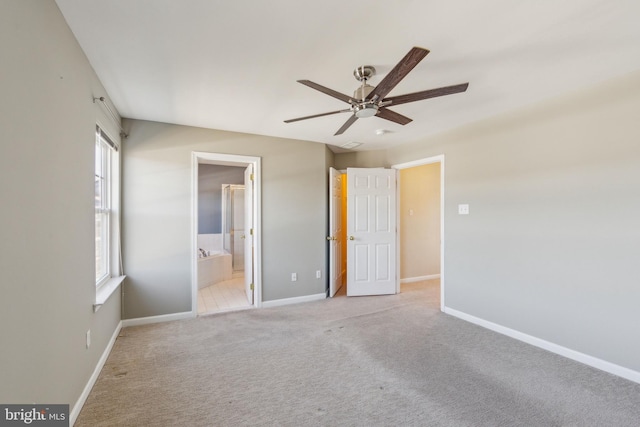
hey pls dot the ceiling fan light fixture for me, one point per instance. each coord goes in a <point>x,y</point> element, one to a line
<point>365,110</point>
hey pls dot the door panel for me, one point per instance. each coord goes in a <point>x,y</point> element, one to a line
<point>382,262</point>
<point>361,263</point>
<point>361,214</point>
<point>383,209</point>
<point>371,226</point>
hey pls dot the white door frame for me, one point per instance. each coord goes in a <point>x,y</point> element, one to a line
<point>198,157</point>
<point>420,162</point>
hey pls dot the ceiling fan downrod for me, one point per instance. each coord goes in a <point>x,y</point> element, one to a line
<point>361,107</point>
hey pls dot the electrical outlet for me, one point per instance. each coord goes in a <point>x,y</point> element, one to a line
<point>89,338</point>
<point>294,277</point>
<point>318,274</point>
<point>463,209</point>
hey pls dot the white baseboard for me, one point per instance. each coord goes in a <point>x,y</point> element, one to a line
<point>419,278</point>
<point>295,300</point>
<point>75,411</point>
<point>158,319</point>
<point>594,362</point>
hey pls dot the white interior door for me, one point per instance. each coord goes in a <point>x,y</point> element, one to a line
<point>336,273</point>
<point>248,233</point>
<point>371,230</point>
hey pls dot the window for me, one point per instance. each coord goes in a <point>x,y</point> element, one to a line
<point>105,150</point>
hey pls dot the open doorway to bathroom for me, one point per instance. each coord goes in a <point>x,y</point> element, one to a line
<point>225,207</point>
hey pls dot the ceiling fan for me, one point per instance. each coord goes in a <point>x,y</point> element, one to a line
<point>368,101</point>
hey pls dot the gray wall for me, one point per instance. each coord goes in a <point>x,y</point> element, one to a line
<point>552,243</point>
<point>210,181</point>
<point>157,213</point>
<point>48,120</point>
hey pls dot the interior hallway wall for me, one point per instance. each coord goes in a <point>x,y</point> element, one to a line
<point>551,244</point>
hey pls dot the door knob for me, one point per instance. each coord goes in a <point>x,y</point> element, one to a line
<point>243,237</point>
<point>352,238</point>
<point>331,238</point>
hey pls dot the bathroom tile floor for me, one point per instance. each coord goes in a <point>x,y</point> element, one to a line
<point>223,296</point>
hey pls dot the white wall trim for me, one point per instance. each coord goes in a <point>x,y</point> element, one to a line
<point>419,278</point>
<point>157,319</point>
<point>294,300</point>
<point>594,362</point>
<point>75,411</point>
<point>427,161</point>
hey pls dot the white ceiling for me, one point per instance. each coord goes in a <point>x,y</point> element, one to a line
<point>233,65</point>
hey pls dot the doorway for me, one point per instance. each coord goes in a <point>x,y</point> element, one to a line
<point>246,240</point>
<point>371,231</point>
<point>421,221</point>
<point>415,209</point>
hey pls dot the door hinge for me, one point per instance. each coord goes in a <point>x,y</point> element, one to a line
<point>251,286</point>
<point>251,177</point>
<point>251,231</point>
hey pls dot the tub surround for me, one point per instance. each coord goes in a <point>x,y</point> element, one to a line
<point>210,243</point>
<point>214,269</point>
<point>216,266</point>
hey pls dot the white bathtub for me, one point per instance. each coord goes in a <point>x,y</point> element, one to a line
<point>214,268</point>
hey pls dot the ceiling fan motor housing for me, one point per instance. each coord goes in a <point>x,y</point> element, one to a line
<point>361,93</point>
<point>364,108</point>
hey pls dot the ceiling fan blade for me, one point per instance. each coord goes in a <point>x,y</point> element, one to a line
<point>398,72</point>
<point>326,90</point>
<point>426,94</point>
<point>385,113</point>
<point>316,115</point>
<point>346,125</point>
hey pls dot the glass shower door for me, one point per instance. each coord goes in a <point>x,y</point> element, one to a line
<point>233,224</point>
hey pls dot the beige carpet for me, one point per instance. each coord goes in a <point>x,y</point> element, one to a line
<point>365,361</point>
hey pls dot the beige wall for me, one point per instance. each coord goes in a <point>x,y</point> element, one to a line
<point>47,260</point>
<point>420,221</point>
<point>550,247</point>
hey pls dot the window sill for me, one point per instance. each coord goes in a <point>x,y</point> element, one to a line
<point>106,290</point>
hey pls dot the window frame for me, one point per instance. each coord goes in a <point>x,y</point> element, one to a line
<point>108,151</point>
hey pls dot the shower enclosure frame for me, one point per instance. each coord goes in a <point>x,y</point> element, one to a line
<point>230,242</point>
